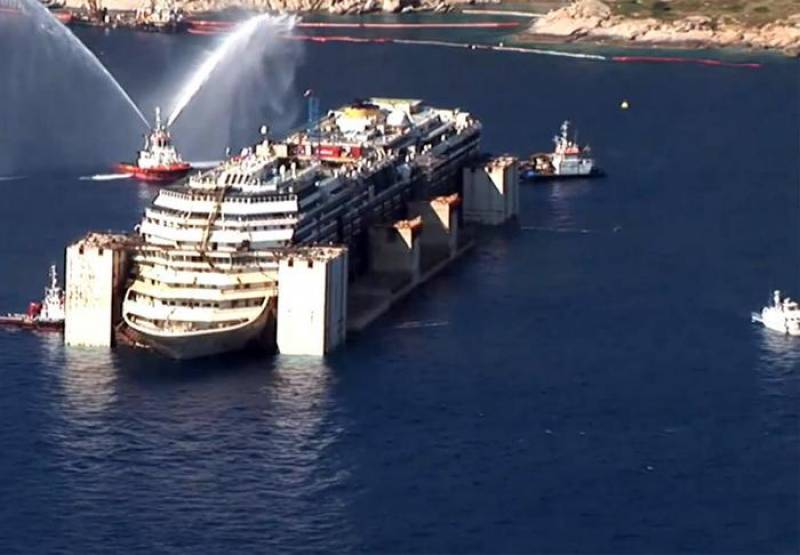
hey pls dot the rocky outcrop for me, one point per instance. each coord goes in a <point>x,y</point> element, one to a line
<point>594,20</point>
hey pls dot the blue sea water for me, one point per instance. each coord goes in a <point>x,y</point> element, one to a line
<point>588,382</point>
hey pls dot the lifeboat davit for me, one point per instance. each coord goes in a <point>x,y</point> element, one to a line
<point>158,161</point>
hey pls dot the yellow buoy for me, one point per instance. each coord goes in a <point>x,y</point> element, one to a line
<point>624,105</point>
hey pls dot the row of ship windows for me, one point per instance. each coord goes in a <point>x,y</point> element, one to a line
<point>227,269</point>
<point>175,225</point>
<point>241,303</point>
<point>184,215</point>
<point>240,260</point>
<point>236,199</point>
<point>237,287</point>
<point>186,326</point>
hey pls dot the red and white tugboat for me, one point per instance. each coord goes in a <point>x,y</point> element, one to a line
<point>158,161</point>
<point>568,159</point>
<point>45,315</point>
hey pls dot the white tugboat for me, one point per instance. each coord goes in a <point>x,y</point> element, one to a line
<point>46,315</point>
<point>568,159</point>
<point>782,316</point>
<point>158,161</point>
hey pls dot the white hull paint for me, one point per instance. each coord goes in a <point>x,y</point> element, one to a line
<point>205,239</point>
<point>782,316</point>
<point>198,344</point>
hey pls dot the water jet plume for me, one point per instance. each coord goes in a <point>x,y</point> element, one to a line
<point>48,23</point>
<point>59,106</point>
<point>247,80</point>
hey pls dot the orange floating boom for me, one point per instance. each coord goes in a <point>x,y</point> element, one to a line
<point>682,60</point>
<point>475,25</point>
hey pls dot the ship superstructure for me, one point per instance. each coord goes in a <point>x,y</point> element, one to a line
<point>47,314</point>
<point>204,280</point>
<point>568,159</point>
<point>782,316</point>
<point>158,161</point>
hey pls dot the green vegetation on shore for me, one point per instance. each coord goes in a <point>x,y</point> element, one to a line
<point>747,12</point>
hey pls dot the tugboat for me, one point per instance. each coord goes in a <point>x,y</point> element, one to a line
<point>782,316</point>
<point>45,315</point>
<point>567,160</point>
<point>158,161</point>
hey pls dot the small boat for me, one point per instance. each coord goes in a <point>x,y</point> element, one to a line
<point>160,16</point>
<point>782,316</point>
<point>45,315</point>
<point>568,160</point>
<point>158,161</point>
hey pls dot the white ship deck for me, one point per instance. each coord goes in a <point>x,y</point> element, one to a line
<point>213,241</point>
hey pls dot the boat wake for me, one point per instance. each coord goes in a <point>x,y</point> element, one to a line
<point>11,177</point>
<point>559,229</point>
<point>580,230</point>
<point>420,324</point>
<point>105,176</point>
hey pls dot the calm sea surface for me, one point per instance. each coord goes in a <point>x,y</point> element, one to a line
<point>587,383</point>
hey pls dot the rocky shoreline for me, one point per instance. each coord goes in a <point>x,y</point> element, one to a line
<point>588,21</point>
<point>335,7</point>
<point>594,21</point>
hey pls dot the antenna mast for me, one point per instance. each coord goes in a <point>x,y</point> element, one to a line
<point>313,125</point>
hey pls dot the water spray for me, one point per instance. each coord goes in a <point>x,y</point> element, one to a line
<point>53,26</point>
<point>239,37</point>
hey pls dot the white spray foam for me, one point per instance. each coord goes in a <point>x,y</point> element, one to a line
<point>49,24</point>
<point>105,176</point>
<point>239,37</point>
